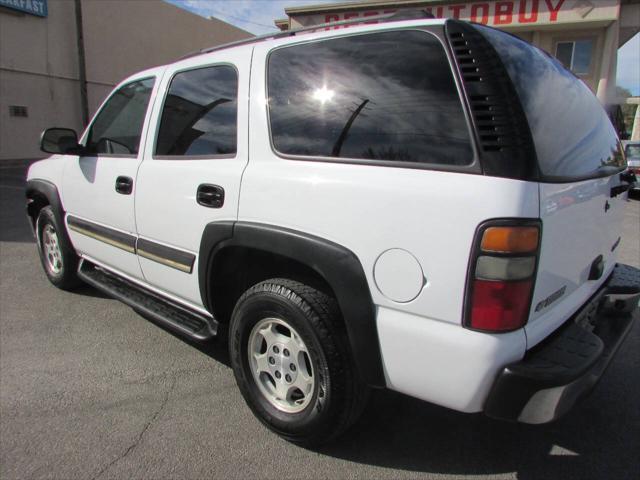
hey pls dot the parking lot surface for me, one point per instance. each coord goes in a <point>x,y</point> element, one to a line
<point>91,390</point>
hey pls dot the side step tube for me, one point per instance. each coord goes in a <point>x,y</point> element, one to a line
<point>162,310</point>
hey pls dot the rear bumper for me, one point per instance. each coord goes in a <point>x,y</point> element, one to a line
<point>561,370</point>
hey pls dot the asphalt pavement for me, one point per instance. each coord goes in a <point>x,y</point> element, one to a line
<point>91,390</point>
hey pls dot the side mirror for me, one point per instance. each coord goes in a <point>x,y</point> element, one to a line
<point>60,140</point>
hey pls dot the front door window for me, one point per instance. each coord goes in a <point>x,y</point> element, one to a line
<point>118,127</point>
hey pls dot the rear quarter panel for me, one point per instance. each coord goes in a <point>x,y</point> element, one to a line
<point>371,209</point>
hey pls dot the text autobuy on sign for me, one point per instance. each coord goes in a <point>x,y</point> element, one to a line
<point>512,12</point>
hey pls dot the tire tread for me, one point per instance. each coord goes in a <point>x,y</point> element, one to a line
<point>69,279</point>
<point>322,311</point>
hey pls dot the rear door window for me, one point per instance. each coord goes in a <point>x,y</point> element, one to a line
<point>386,96</point>
<point>573,136</point>
<point>199,116</point>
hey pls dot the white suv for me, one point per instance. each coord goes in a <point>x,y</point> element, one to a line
<point>428,206</point>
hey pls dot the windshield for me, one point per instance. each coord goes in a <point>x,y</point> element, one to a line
<point>573,136</point>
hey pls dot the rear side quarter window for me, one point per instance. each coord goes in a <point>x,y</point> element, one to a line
<point>387,97</point>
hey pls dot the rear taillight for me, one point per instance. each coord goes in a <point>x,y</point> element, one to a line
<point>502,272</point>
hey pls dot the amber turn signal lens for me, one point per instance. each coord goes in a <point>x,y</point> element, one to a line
<point>510,239</point>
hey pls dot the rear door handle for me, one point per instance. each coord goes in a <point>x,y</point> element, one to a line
<point>211,196</point>
<point>124,185</point>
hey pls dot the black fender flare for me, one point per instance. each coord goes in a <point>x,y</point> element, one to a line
<point>44,188</point>
<point>337,265</point>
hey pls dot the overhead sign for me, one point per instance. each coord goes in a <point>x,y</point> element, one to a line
<point>495,13</point>
<point>32,7</point>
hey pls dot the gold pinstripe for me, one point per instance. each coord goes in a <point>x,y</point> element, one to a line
<point>165,261</point>
<point>102,238</point>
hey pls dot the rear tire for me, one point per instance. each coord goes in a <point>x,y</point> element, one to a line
<point>291,359</point>
<point>59,259</point>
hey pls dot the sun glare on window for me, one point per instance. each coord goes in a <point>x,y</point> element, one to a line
<point>323,94</point>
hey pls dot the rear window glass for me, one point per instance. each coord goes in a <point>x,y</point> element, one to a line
<point>572,133</point>
<point>386,96</point>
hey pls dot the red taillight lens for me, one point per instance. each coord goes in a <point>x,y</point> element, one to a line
<point>501,276</point>
<point>499,306</point>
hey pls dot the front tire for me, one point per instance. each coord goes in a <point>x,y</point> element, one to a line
<point>59,260</point>
<point>291,359</point>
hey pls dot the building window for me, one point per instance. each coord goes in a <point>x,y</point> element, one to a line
<point>18,111</point>
<point>199,117</point>
<point>379,97</point>
<point>575,55</point>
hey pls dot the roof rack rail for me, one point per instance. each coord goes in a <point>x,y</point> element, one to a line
<point>413,14</point>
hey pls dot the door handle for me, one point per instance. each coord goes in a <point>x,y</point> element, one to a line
<point>124,185</point>
<point>211,196</point>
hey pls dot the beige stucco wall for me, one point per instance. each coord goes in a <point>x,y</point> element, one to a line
<point>51,102</point>
<point>40,45</point>
<point>547,41</point>
<point>39,59</point>
<point>39,70</point>
<point>122,40</point>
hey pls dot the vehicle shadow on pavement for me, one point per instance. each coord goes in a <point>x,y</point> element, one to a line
<point>15,228</point>
<point>400,432</point>
<point>13,216</point>
<point>89,291</point>
<point>600,438</point>
<point>217,348</point>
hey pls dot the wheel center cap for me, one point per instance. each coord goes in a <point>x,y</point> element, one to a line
<point>282,366</point>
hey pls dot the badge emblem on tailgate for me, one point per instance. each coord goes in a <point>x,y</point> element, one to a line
<point>551,298</point>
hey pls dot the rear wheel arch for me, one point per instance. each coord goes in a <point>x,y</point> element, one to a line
<point>307,258</point>
<point>234,269</point>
